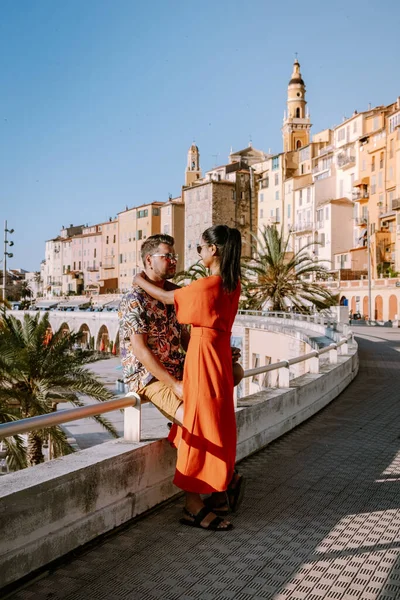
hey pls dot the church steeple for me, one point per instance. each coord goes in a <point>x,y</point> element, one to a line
<point>296,122</point>
<point>193,171</point>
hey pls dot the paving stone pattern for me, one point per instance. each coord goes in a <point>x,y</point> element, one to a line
<point>320,520</point>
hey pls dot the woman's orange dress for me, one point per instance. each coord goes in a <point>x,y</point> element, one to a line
<point>207,444</point>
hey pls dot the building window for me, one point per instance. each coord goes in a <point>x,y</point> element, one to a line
<point>277,195</point>
<point>297,113</point>
<point>261,197</point>
<point>94,253</point>
<point>375,123</point>
<point>300,197</point>
<point>275,163</point>
<point>156,212</point>
<point>139,234</point>
<point>276,179</point>
<point>341,134</point>
<point>261,213</point>
<point>288,210</point>
<point>114,238</point>
<point>326,212</point>
<point>107,239</point>
<point>373,164</point>
<point>354,126</point>
<point>255,365</point>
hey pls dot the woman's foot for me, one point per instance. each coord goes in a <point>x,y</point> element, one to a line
<point>218,503</point>
<point>235,491</point>
<point>205,519</point>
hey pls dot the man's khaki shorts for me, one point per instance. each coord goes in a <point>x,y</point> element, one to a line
<point>162,397</point>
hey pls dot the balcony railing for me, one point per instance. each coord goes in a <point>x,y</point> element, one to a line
<point>361,220</point>
<point>360,195</point>
<point>108,265</point>
<point>320,224</point>
<point>344,160</point>
<point>93,268</point>
<point>306,226</point>
<point>395,203</point>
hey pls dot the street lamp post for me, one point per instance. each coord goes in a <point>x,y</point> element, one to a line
<point>7,244</point>
<point>369,270</point>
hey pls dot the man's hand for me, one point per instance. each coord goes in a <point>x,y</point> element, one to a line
<point>236,354</point>
<point>178,389</point>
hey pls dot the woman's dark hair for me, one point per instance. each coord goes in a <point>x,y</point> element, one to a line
<point>229,243</point>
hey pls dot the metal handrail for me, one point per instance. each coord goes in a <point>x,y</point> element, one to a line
<point>64,416</point>
<point>81,412</point>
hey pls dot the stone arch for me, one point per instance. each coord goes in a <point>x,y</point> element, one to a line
<point>378,308</point>
<point>353,305</point>
<point>365,307</point>
<point>115,349</point>
<point>343,301</point>
<point>48,335</point>
<point>84,336</point>
<point>392,307</point>
<point>103,340</point>
<point>64,329</point>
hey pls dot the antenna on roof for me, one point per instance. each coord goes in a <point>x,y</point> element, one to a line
<point>215,156</point>
<point>250,141</point>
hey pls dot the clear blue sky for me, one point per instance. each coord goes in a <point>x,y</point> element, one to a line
<point>101,99</point>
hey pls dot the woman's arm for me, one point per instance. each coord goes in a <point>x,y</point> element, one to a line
<point>153,290</point>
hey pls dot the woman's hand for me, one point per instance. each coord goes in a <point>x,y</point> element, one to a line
<point>138,279</point>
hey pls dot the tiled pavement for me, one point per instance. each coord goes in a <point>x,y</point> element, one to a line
<point>321,517</point>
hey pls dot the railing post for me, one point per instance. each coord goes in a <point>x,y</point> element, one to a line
<point>333,354</point>
<point>344,348</point>
<point>314,364</point>
<point>283,376</point>
<point>133,420</point>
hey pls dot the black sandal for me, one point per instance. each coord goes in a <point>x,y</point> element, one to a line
<point>236,493</point>
<point>197,519</point>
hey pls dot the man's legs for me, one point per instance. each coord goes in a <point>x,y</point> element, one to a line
<point>164,399</point>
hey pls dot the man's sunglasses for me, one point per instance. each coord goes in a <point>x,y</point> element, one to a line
<point>169,256</point>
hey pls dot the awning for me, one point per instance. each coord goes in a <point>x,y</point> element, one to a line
<point>363,181</point>
<point>46,303</point>
<point>73,303</point>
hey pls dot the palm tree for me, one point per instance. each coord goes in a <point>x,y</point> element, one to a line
<point>25,290</point>
<point>281,277</point>
<point>36,372</point>
<point>196,271</point>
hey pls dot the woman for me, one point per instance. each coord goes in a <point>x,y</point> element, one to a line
<point>207,445</point>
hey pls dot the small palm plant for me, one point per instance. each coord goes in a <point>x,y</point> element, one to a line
<point>282,278</point>
<point>36,372</point>
<point>194,272</point>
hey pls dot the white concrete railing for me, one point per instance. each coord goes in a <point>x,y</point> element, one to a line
<point>132,403</point>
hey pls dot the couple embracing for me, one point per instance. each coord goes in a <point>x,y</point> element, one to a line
<point>195,392</point>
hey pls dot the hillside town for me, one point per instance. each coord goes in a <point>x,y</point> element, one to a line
<point>336,190</point>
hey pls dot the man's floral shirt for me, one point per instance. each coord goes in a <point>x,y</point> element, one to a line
<point>140,313</point>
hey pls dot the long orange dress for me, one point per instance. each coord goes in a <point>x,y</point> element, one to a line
<point>207,441</point>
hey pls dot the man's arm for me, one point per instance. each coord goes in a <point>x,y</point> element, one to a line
<point>143,353</point>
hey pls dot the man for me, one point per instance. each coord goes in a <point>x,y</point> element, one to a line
<point>151,339</point>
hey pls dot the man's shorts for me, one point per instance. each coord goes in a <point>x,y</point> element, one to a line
<point>162,397</point>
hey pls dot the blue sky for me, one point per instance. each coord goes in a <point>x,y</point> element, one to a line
<point>101,99</point>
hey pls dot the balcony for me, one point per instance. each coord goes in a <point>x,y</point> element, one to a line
<point>108,265</point>
<point>93,268</point>
<point>361,195</point>
<point>320,224</point>
<point>305,226</point>
<point>361,221</point>
<point>344,161</point>
<point>395,203</point>
<point>275,220</point>
<point>323,166</point>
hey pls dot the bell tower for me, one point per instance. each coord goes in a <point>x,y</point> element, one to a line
<point>296,120</point>
<point>193,171</point>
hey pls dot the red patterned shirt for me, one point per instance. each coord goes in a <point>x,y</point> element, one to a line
<point>140,313</point>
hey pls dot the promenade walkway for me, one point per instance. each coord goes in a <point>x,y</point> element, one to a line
<point>321,517</point>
